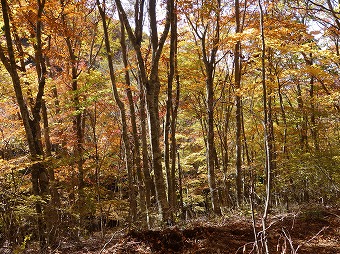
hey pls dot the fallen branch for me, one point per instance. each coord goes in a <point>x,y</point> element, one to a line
<point>317,234</point>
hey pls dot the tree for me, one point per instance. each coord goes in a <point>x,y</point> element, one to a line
<point>268,128</point>
<point>31,120</point>
<point>237,62</point>
<point>171,113</point>
<point>127,149</point>
<point>249,98</point>
<point>151,84</point>
<point>209,39</point>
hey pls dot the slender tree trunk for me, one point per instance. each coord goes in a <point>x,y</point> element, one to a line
<point>271,135</point>
<point>48,145</point>
<point>173,147</point>
<point>314,125</point>
<point>93,121</point>
<point>180,187</point>
<point>313,128</point>
<point>58,145</point>
<point>238,108</point>
<point>210,143</point>
<point>267,141</point>
<point>167,144</point>
<point>141,186</point>
<point>152,99</point>
<point>284,119</point>
<point>154,128</point>
<point>303,123</point>
<point>225,162</point>
<point>169,124</point>
<point>246,188</point>
<point>149,184</point>
<point>226,115</point>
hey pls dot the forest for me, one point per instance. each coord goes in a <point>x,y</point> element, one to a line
<point>170,126</point>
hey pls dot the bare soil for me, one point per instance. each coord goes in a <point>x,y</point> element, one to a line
<point>311,231</point>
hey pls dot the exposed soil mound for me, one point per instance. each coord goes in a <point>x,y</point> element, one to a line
<point>169,240</point>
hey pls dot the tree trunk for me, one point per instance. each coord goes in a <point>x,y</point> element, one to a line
<point>266,122</point>
<point>93,121</point>
<point>47,139</point>
<point>238,108</point>
<point>154,128</point>
<point>283,113</point>
<point>313,127</point>
<point>173,147</point>
<point>149,184</point>
<point>136,151</point>
<point>303,123</point>
<point>169,117</point>
<point>267,133</point>
<point>180,187</point>
<point>167,147</point>
<point>210,143</point>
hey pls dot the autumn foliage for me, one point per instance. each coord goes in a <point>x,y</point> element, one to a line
<point>155,113</point>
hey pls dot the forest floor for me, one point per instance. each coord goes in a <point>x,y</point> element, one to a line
<point>310,231</point>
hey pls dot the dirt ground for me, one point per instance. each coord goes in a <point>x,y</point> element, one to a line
<point>314,231</point>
